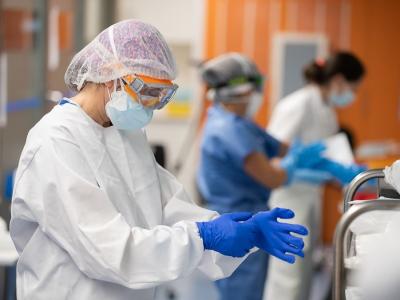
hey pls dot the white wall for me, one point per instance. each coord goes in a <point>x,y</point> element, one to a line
<point>181,22</point>
<point>92,21</point>
<point>176,19</point>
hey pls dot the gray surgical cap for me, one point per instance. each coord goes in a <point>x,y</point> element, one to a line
<point>125,48</point>
<point>229,75</point>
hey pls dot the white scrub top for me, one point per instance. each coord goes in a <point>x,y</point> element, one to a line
<point>95,217</point>
<point>303,115</point>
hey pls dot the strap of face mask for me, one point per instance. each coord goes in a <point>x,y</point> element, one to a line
<point>121,84</point>
<point>114,88</point>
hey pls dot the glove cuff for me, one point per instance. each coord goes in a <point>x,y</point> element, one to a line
<point>287,164</point>
<point>202,226</point>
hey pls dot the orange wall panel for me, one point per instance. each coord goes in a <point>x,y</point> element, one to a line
<point>234,28</point>
<point>262,53</point>
<point>376,40</point>
<point>369,28</point>
<point>333,19</point>
<point>65,29</point>
<point>16,34</point>
<point>332,202</point>
<point>210,28</point>
<point>307,20</point>
<point>363,26</point>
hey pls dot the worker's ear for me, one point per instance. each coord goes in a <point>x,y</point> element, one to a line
<point>109,84</point>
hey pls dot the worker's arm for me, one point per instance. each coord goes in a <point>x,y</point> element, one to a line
<point>81,218</point>
<point>265,171</point>
<point>272,174</point>
<point>178,206</point>
<point>283,149</point>
<point>273,147</point>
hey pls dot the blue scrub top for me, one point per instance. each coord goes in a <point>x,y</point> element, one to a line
<point>228,139</point>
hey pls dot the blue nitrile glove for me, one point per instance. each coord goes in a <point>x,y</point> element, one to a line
<point>228,234</point>
<point>301,157</point>
<point>344,174</point>
<point>275,237</point>
<point>311,176</point>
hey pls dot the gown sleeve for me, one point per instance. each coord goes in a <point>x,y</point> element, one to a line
<point>271,145</point>
<point>178,206</point>
<point>77,215</point>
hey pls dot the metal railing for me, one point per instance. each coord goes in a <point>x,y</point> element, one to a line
<point>357,182</point>
<point>340,255</point>
<point>342,234</point>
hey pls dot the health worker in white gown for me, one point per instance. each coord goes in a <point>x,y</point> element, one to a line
<point>93,215</point>
<point>309,115</point>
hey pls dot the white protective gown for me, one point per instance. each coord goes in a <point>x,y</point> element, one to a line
<point>95,217</point>
<point>305,116</point>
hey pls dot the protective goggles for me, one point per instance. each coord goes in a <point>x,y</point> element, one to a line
<point>149,92</point>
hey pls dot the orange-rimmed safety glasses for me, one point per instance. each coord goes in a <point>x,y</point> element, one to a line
<point>150,92</point>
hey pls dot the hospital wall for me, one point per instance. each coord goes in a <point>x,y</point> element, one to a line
<point>23,60</point>
<point>367,27</point>
<point>182,24</point>
<point>201,29</point>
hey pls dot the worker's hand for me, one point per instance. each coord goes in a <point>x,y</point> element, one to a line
<point>228,234</point>
<point>275,237</point>
<point>302,157</point>
<point>343,174</point>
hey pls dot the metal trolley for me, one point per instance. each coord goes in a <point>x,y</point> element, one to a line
<point>351,212</point>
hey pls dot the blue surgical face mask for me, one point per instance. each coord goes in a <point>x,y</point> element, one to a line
<point>126,114</point>
<point>341,99</point>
